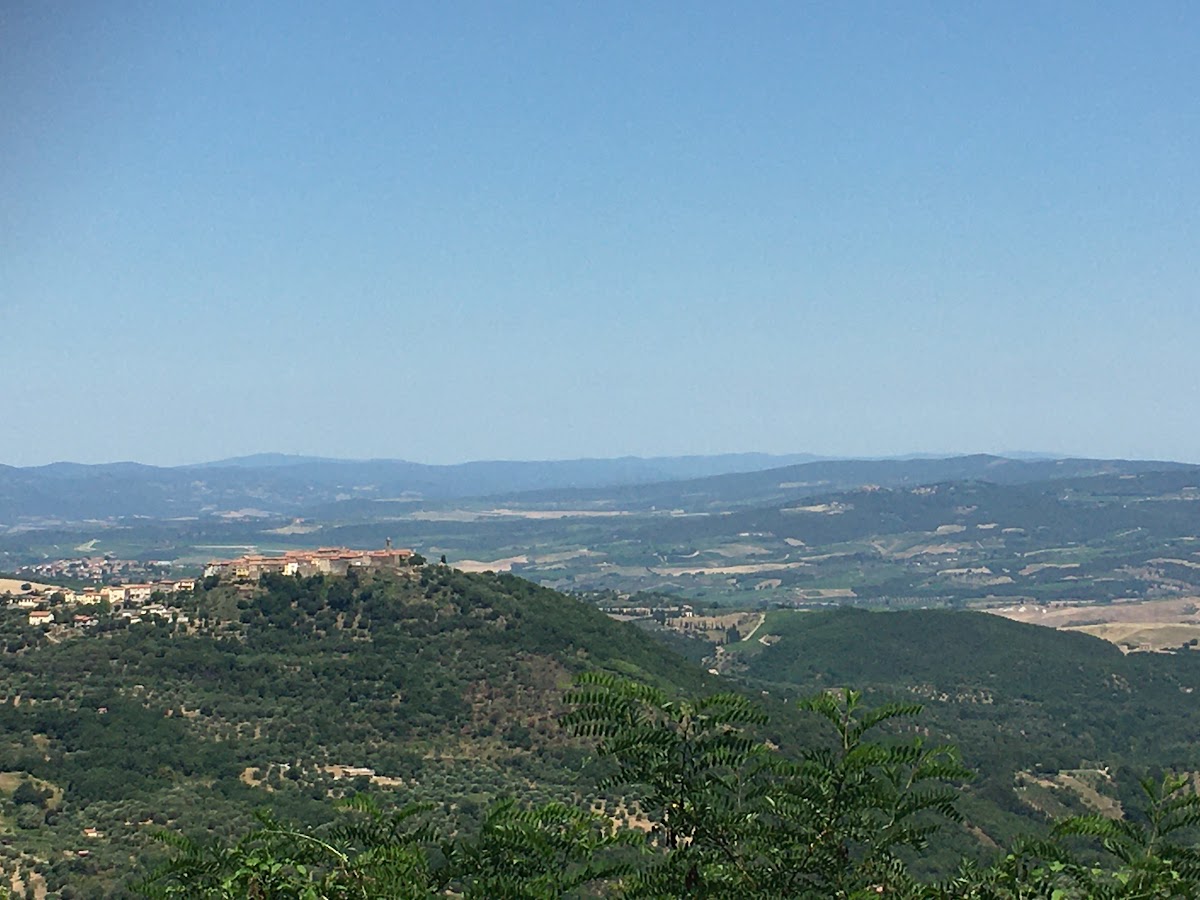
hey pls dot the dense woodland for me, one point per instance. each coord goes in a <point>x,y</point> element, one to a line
<point>454,692</point>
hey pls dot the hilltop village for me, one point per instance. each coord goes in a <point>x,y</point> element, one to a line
<point>50,604</point>
<point>322,561</point>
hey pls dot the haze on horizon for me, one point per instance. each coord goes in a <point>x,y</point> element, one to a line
<point>275,459</point>
<point>475,231</point>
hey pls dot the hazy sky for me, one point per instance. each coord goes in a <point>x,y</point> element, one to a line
<point>510,230</point>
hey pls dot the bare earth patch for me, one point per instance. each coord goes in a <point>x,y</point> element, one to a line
<point>475,515</point>
<point>829,509</point>
<point>297,527</point>
<point>1178,562</point>
<point>558,513</point>
<point>950,529</point>
<point>744,569</point>
<point>565,555</point>
<point>496,565</point>
<point>929,550</point>
<point>1037,567</point>
<point>735,551</point>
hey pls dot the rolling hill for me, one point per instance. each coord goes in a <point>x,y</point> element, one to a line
<point>440,685</point>
<point>279,485</point>
<point>1023,703</point>
<point>437,685</point>
<point>771,486</point>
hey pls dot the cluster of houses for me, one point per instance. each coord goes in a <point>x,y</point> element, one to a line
<point>130,601</point>
<point>323,561</point>
<point>137,601</point>
<point>95,568</point>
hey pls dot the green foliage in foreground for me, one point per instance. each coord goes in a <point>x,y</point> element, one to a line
<point>728,817</point>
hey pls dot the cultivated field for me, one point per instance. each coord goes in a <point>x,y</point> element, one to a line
<point>1150,625</point>
<point>13,585</point>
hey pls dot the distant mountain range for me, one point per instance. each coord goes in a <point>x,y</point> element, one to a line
<point>778,485</point>
<point>295,485</point>
<point>283,484</point>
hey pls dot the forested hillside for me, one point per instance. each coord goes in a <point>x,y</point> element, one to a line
<point>443,685</point>
<point>724,816</point>
<point>1022,702</point>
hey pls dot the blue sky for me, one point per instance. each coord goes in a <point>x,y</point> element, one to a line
<point>458,231</point>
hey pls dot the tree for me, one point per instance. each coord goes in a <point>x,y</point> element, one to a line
<point>1152,860</point>
<point>378,855</point>
<point>537,853</point>
<point>27,793</point>
<point>850,808</point>
<point>521,853</point>
<point>732,818</point>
